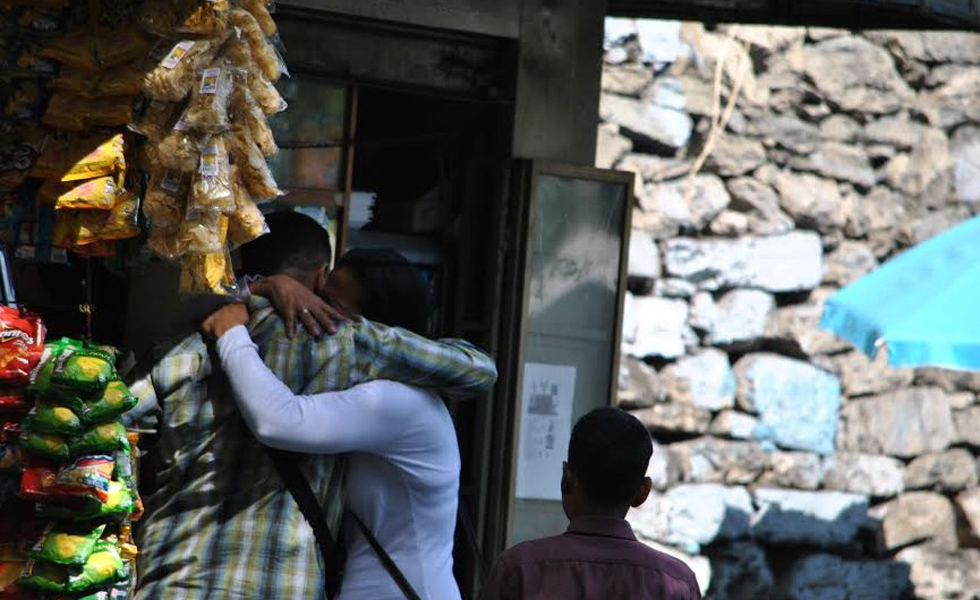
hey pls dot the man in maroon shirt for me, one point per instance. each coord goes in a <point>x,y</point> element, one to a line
<point>598,557</point>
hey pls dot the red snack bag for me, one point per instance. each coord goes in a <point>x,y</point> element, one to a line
<point>21,344</point>
<point>13,400</point>
<point>85,479</point>
<point>38,481</point>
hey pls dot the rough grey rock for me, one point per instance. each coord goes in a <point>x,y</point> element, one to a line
<point>953,102</point>
<point>733,156</point>
<point>856,76</point>
<point>655,169</point>
<point>660,40</point>
<point>877,217</point>
<point>860,376</point>
<point>731,224</point>
<point>647,120</point>
<point>961,400</point>
<point>941,575</point>
<point>691,516</point>
<point>967,423</point>
<point>655,326</point>
<point>926,172</point>
<point>766,37</point>
<point>797,403</point>
<point>904,423</point>
<point>674,418</point>
<point>741,572</point>
<point>790,262</point>
<point>704,380</point>
<point>814,203</point>
<point>626,80</point>
<point>948,379</point>
<point>848,262</point>
<point>877,476</point>
<point>930,46</point>
<point>828,577</point>
<point>917,517</point>
<point>840,128</point>
<point>639,384</point>
<point>785,131</point>
<point>734,424</point>
<point>948,472</point>
<point>741,316</point>
<point>610,146</point>
<point>933,223</point>
<point>711,460</point>
<point>674,288</point>
<point>965,148</point>
<point>799,323</point>
<point>704,312</point>
<point>843,162</point>
<point>795,470</point>
<point>968,507</point>
<point>761,204</point>
<point>895,130</point>
<point>644,256</point>
<point>684,204</point>
<point>821,519</point>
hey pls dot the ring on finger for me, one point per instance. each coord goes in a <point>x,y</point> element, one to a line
<point>306,310</point>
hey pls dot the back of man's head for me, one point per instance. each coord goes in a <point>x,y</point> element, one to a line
<point>393,291</point>
<point>296,244</point>
<point>609,453</point>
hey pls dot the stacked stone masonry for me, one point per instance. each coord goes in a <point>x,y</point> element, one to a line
<point>789,465</point>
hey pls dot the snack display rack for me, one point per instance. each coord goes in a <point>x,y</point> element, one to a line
<point>142,120</point>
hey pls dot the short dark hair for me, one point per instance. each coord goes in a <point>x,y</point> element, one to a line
<point>609,453</point>
<point>394,291</point>
<point>295,243</point>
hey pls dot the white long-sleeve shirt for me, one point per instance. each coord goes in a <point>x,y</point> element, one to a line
<point>404,471</point>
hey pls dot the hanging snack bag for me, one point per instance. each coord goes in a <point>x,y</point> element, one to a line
<point>252,168</point>
<point>263,54</point>
<point>45,576</point>
<point>164,201</point>
<point>12,400</point>
<point>207,274</point>
<point>85,479</point>
<point>73,365</point>
<point>74,81</point>
<point>122,81</point>
<point>83,158</point>
<point>157,120</point>
<point>119,503</point>
<point>164,243</point>
<point>177,151</point>
<point>203,232</point>
<point>104,438</point>
<point>95,194</point>
<point>74,50</point>
<point>114,401</point>
<point>21,345</point>
<point>105,566</point>
<point>194,17</point>
<point>121,223</point>
<point>207,111</point>
<point>108,112</point>
<point>174,77</point>
<point>47,417</point>
<point>247,222</point>
<point>245,108</point>
<point>211,188</point>
<point>47,445</point>
<point>9,573</point>
<point>260,10</point>
<point>124,46</point>
<point>38,480</point>
<point>67,545</point>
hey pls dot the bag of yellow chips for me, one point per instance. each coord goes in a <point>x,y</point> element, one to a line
<point>95,194</point>
<point>75,50</point>
<point>207,111</point>
<point>163,204</point>
<point>252,168</point>
<point>81,158</point>
<point>247,222</point>
<point>203,232</point>
<point>263,53</point>
<point>244,108</point>
<point>120,223</point>
<point>207,274</point>
<point>211,188</point>
<point>172,79</point>
<point>67,545</point>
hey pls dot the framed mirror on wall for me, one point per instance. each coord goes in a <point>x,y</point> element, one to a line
<point>575,244</point>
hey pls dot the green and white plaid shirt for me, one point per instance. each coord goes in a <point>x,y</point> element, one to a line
<point>221,524</point>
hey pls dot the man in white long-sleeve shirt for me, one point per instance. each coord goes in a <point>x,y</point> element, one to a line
<point>404,472</point>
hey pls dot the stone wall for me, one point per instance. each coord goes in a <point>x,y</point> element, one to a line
<point>789,466</point>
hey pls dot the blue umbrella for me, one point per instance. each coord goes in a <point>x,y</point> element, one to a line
<point>924,304</point>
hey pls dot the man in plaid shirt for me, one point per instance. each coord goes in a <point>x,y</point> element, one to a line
<point>220,523</point>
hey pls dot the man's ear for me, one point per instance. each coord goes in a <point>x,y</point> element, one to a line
<point>644,492</point>
<point>320,279</point>
<point>566,478</point>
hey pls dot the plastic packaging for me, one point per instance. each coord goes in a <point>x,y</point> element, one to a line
<point>21,346</point>
<point>157,120</point>
<point>211,187</point>
<point>236,50</point>
<point>122,81</point>
<point>259,9</point>
<point>119,503</point>
<point>120,223</point>
<point>163,204</point>
<point>203,232</point>
<point>48,417</point>
<point>207,111</point>
<point>75,50</point>
<point>62,113</point>
<point>103,438</point>
<point>67,545</point>
<point>244,107</point>
<point>194,17</point>
<point>174,77</point>
<point>72,365</point>
<point>81,158</point>
<point>178,151</point>
<point>47,445</point>
<point>95,194</point>
<point>252,168</point>
<point>104,566</point>
<point>87,477</point>
<point>124,46</point>
<point>207,274</point>
<point>247,222</point>
<point>38,480</point>
<point>263,53</point>
<point>164,243</point>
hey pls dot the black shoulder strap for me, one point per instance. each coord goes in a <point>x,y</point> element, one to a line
<point>332,552</point>
<point>386,559</point>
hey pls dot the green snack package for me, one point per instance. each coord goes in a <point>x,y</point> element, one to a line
<point>52,418</point>
<point>71,364</point>
<point>114,401</point>
<point>104,567</point>
<point>45,576</point>
<point>50,445</point>
<point>119,502</point>
<point>67,544</point>
<point>104,438</point>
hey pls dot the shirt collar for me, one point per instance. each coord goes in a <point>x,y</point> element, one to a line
<point>602,526</point>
